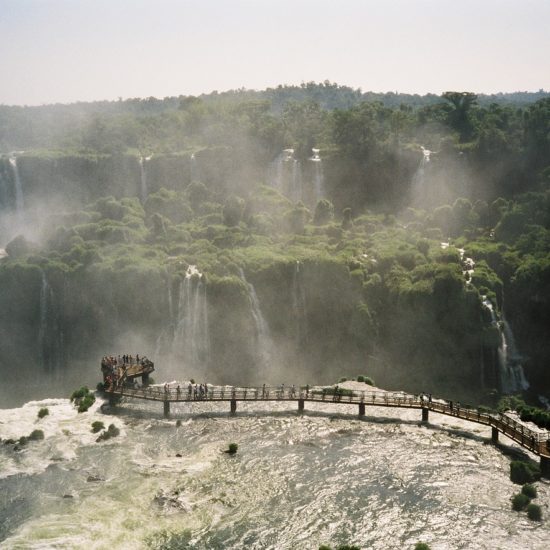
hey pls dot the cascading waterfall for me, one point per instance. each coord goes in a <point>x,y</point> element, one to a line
<point>193,167</point>
<point>318,176</point>
<point>264,342</point>
<point>19,201</point>
<point>512,377</point>
<point>419,190</point>
<point>299,305</point>
<point>285,175</point>
<point>143,173</point>
<point>191,336</point>
<point>50,334</point>
<point>296,193</point>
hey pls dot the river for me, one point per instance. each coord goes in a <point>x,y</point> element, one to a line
<point>297,481</point>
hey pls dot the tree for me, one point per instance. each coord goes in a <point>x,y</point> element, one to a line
<point>459,115</point>
<point>324,212</point>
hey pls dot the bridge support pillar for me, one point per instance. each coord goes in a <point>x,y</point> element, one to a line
<point>361,409</point>
<point>145,379</point>
<point>425,414</point>
<point>166,409</point>
<point>233,406</point>
<point>112,400</point>
<point>300,405</point>
<point>545,466</point>
<point>494,434</point>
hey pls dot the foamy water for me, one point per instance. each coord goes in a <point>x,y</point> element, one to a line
<point>297,481</point>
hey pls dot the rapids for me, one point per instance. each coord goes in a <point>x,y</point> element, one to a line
<point>297,481</point>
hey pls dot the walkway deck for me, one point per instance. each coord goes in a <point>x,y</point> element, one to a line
<point>537,442</point>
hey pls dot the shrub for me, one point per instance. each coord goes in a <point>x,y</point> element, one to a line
<point>360,378</point>
<point>343,379</point>
<point>97,426</point>
<point>529,490</point>
<point>112,431</point>
<point>80,393</point>
<point>520,502</point>
<point>523,472</point>
<point>43,412</point>
<point>369,381</point>
<point>86,403</point>
<point>534,512</point>
<point>83,399</point>
<point>36,435</point>
<point>421,546</point>
<point>232,448</point>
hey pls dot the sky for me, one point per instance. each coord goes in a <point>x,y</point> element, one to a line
<point>62,51</point>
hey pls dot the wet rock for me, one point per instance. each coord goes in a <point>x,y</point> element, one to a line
<point>68,496</point>
<point>178,455</point>
<point>92,479</point>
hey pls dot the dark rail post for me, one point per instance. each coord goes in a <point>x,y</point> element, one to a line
<point>166,409</point>
<point>545,466</point>
<point>361,409</point>
<point>494,434</point>
<point>300,405</point>
<point>425,414</point>
<point>233,406</point>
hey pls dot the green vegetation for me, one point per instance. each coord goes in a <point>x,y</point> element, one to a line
<point>112,431</point>
<point>381,293</point>
<point>524,472</point>
<point>534,512</point>
<point>421,546</point>
<point>520,502</point>
<point>97,426</point>
<point>232,448</point>
<point>83,399</point>
<point>529,490</point>
<point>43,412</point>
<point>35,435</point>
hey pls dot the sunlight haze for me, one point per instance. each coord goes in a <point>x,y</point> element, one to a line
<point>80,50</point>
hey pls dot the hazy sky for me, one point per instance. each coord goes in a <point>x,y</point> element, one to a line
<point>70,50</point>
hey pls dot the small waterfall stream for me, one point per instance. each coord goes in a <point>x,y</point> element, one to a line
<point>511,375</point>
<point>318,176</point>
<point>264,341</point>
<point>143,175</point>
<point>50,334</point>
<point>193,168</point>
<point>418,186</point>
<point>299,305</point>
<point>191,336</point>
<point>19,201</point>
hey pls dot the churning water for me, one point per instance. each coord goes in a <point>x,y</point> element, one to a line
<point>297,481</point>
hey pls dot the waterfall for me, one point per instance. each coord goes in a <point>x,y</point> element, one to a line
<point>318,176</point>
<point>264,342</point>
<point>191,339</point>
<point>512,377</point>
<point>143,174</point>
<point>418,190</point>
<point>50,335</point>
<point>296,193</point>
<point>194,169</point>
<point>19,202</point>
<point>299,305</point>
<point>285,175</point>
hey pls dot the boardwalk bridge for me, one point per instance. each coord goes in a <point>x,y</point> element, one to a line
<point>535,441</point>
